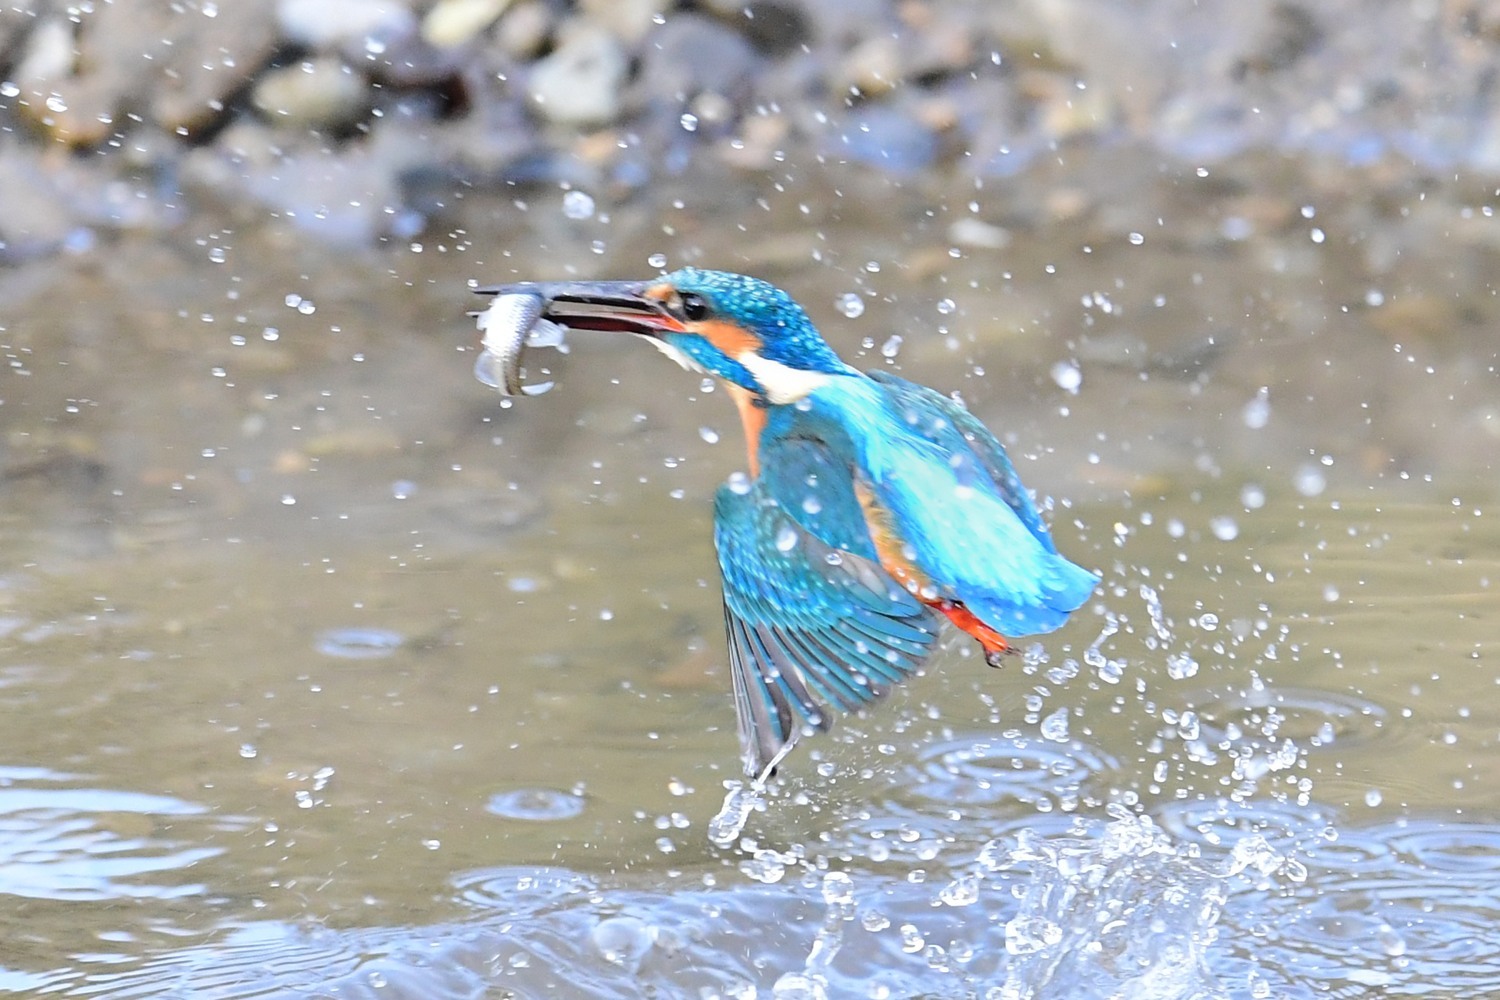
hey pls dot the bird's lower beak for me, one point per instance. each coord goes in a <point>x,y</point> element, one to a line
<point>608,306</point>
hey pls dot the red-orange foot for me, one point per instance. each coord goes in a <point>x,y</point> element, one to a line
<point>995,645</point>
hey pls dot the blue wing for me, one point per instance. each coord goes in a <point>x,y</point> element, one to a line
<point>1002,563</point>
<point>812,619</point>
<point>919,401</point>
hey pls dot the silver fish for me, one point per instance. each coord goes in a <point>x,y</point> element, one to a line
<point>511,323</point>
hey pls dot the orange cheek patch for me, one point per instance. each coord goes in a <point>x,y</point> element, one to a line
<point>732,340</point>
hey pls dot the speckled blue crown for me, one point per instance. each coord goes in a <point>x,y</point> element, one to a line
<point>788,335</point>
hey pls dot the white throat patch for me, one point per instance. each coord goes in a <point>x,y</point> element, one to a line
<point>681,357</point>
<point>782,383</point>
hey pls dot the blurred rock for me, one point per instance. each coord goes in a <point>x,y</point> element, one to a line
<point>579,84</point>
<point>524,30</point>
<point>176,64</point>
<point>777,27</point>
<point>691,55</point>
<point>457,22</point>
<point>890,136</point>
<point>319,94</point>
<point>336,24</point>
<point>627,20</point>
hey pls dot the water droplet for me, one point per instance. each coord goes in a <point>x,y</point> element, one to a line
<point>891,347</point>
<point>812,504</point>
<point>1317,235</point>
<point>1373,798</point>
<point>739,483</point>
<point>946,306</point>
<point>688,121</point>
<point>962,891</point>
<point>1180,666</point>
<point>1188,727</point>
<point>851,305</point>
<point>1208,621</point>
<point>709,434</point>
<point>657,260</point>
<point>786,538</point>
<point>578,204</point>
<point>622,941</point>
<point>1055,726</point>
<point>1136,239</point>
<point>1257,412</point>
<point>1309,481</point>
<point>1224,527</point>
<point>1067,375</point>
<point>1252,496</point>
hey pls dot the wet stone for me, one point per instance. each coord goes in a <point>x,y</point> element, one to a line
<point>178,64</point>
<point>329,24</point>
<point>579,83</point>
<point>318,94</point>
<point>457,22</point>
<point>524,29</point>
<point>627,20</point>
<point>691,55</point>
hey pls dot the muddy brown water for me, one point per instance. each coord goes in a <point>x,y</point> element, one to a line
<point>323,671</point>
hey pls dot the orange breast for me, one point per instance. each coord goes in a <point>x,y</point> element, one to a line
<point>753,419</point>
<point>888,545</point>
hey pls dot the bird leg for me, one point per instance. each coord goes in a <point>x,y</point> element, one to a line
<point>995,645</point>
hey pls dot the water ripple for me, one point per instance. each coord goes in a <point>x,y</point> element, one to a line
<point>359,643</point>
<point>1304,715</point>
<point>992,770</point>
<point>91,843</point>
<point>535,804</point>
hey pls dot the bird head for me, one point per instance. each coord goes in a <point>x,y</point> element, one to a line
<point>743,330</point>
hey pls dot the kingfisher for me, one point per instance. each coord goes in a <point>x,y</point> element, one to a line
<point>874,509</point>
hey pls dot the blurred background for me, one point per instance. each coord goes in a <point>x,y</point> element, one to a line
<point>326,671</point>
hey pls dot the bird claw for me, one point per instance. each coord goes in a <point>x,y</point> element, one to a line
<point>996,657</point>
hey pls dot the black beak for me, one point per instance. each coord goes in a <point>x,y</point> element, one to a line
<point>607,306</point>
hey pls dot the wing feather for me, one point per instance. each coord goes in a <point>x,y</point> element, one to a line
<point>813,622</point>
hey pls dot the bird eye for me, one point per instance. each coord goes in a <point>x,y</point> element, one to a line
<point>694,306</point>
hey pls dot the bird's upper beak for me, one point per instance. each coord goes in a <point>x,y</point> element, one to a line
<point>608,306</point>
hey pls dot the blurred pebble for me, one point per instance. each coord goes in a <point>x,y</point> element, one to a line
<point>328,24</point>
<point>972,232</point>
<point>454,22</point>
<point>49,54</point>
<point>628,20</point>
<point>871,68</point>
<point>579,83</point>
<point>318,94</point>
<point>524,30</point>
<point>775,27</point>
<point>887,136</point>
<point>692,55</point>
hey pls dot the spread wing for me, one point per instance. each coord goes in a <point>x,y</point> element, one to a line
<point>812,619</point>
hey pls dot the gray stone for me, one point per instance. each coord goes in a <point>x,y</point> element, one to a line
<point>317,94</point>
<point>579,84</point>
